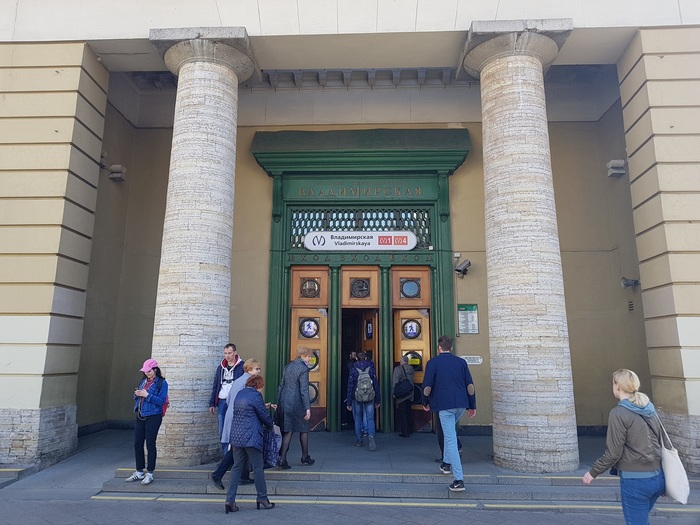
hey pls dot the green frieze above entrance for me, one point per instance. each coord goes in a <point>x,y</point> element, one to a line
<point>317,190</point>
<point>393,153</point>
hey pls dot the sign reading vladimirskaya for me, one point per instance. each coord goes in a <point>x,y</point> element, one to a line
<point>360,241</point>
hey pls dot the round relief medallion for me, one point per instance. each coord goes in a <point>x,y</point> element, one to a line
<point>308,328</point>
<point>359,288</point>
<point>415,359</point>
<point>313,361</point>
<point>410,329</point>
<point>410,288</point>
<point>313,393</point>
<point>310,288</point>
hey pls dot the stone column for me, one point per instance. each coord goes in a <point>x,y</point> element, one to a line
<point>194,283</point>
<point>534,422</point>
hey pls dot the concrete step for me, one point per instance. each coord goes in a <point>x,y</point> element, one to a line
<point>411,487</point>
<point>246,499</point>
<point>9,475</point>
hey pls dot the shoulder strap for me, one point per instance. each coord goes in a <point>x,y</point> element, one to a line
<point>403,371</point>
<point>663,429</point>
<point>663,433</point>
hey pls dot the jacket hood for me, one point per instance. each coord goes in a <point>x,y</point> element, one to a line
<point>645,411</point>
<point>237,362</point>
<point>362,365</point>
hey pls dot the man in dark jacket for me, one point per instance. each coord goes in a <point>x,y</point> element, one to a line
<point>448,389</point>
<point>361,399</point>
<point>230,369</point>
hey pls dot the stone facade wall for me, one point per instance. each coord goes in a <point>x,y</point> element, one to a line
<point>39,436</point>
<point>51,123</point>
<point>660,86</point>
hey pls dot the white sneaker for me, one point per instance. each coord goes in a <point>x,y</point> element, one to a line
<point>136,476</point>
<point>147,479</point>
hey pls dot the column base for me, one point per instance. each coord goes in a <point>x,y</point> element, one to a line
<point>40,437</point>
<point>684,431</point>
<point>549,451</point>
<point>188,439</point>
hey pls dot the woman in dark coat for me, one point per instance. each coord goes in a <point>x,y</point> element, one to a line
<point>403,404</point>
<point>293,401</point>
<point>249,417</point>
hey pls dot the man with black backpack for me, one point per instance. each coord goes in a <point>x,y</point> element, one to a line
<point>363,394</point>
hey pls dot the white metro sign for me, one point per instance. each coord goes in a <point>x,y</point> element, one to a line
<point>360,241</point>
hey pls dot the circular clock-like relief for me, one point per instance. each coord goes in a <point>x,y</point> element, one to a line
<point>313,393</point>
<point>359,288</point>
<point>415,360</point>
<point>310,288</point>
<point>313,361</point>
<point>410,329</point>
<point>410,288</point>
<point>308,327</point>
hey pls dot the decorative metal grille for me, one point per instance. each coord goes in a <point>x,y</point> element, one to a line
<point>416,220</point>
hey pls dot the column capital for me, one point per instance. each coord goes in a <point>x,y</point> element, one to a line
<point>491,39</point>
<point>226,45</point>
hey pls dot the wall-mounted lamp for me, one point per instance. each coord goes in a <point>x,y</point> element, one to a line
<point>629,283</point>
<point>116,172</point>
<point>462,268</point>
<point>617,168</point>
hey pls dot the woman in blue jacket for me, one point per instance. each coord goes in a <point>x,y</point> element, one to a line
<point>246,440</point>
<point>149,399</point>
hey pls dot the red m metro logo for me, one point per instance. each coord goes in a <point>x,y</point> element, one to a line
<point>384,240</point>
<point>401,240</point>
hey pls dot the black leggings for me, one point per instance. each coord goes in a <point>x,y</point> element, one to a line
<point>146,429</point>
<point>287,439</point>
<point>403,413</point>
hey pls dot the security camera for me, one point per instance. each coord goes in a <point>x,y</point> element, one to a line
<point>461,268</point>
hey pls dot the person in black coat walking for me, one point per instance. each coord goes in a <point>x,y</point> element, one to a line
<point>403,404</point>
<point>294,403</point>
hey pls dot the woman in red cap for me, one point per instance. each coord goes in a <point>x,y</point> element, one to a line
<point>149,399</point>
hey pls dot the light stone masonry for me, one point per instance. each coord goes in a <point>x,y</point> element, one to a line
<point>194,284</point>
<point>534,421</point>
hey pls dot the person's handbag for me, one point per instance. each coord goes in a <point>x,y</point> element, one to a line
<point>277,417</point>
<point>404,387</point>
<point>271,447</point>
<point>677,486</point>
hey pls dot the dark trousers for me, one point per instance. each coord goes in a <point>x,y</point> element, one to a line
<point>241,455</point>
<point>403,412</point>
<point>146,429</point>
<point>226,464</point>
<point>441,439</point>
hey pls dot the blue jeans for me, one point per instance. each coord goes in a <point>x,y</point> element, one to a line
<point>363,414</point>
<point>639,496</point>
<point>220,416</point>
<point>448,420</point>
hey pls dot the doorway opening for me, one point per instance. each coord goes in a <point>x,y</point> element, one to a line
<point>358,334</point>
